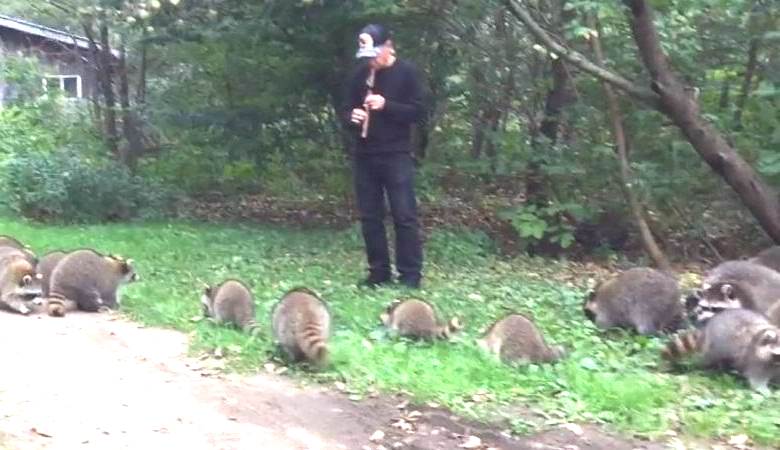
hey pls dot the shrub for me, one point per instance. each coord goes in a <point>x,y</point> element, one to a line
<point>66,187</point>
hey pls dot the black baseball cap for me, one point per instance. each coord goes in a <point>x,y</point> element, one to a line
<point>370,47</point>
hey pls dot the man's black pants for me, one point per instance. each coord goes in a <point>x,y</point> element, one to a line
<point>391,173</point>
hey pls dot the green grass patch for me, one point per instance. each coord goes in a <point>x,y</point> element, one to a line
<point>611,378</point>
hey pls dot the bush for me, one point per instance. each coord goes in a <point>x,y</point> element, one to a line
<point>65,187</point>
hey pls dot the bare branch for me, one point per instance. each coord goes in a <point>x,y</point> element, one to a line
<point>645,95</point>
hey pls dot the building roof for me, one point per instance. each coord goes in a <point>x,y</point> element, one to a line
<point>52,34</point>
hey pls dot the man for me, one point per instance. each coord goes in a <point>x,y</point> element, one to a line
<point>381,118</point>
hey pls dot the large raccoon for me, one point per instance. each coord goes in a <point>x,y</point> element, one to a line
<point>737,339</point>
<point>415,318</point>
<point>230,302</point>
<point>516,338</point>
<point>769,257</point>
<point>19,284</point>
<point>644,299</point>
<point>301,326</point>
<point>46,266</point>
<point>736,284</point>
<point>90,279</point>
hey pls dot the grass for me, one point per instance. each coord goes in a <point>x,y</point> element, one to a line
<point>609,377</point>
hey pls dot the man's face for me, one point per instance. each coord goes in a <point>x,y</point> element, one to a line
<point>385,56</point>
<point>386,52</point>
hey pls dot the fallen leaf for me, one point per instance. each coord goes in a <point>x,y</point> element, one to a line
<point>573,427</point>
<point>377,436</point>
<point>739,441</point>
<point>471,442</point>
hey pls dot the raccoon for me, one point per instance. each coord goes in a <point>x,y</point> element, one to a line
<point>516,338</point>
<point>416,318</point>
<point>90,279</point>
<point>301,326</point>
<point>46,266</point>
<point>230,302</point>
<point>735,339</point>
<point>19,284</point>
<point>769,257</point>
<point>736,284</point>
<point>643,299</point>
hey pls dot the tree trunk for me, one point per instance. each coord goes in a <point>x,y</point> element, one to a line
<point>129,153</point>
<point>747,81</point>
<point>140,96</point>
<point>104,78</point>
<point>619,134</point>
<point>683,110</point>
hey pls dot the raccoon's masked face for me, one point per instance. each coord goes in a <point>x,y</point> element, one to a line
<point>768,347</point>
<point>712,299</point>
<point>29,286</point>
<point>206,301</point>
<point>386,316</point>
<point>589,306</point>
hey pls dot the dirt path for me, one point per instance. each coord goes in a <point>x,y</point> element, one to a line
<point>99,382</point>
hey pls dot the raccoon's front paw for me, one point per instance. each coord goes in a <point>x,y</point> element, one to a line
<point>104,310</point>
<point>23,309</point>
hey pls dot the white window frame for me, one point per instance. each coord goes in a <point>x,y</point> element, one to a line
<point>61,78</point>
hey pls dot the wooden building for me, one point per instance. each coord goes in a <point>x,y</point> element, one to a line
<point>65,56</point>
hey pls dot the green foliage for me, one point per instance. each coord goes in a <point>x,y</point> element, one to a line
<point>23,75</point>
<point>69,188</point>
<point>552,222</point>
<point>608,377</point>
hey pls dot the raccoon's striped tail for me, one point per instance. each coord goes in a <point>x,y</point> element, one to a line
<point>313,343</point>
<point>682,345</point>
<point>59,306</point>
<point>452,327</point>
<point>253,328</point>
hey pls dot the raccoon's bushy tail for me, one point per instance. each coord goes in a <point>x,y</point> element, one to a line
<point>452,327</point>
<point>253,328</point>
<point>59,306</point>
<point>682,345</point>
<point>313,342</point>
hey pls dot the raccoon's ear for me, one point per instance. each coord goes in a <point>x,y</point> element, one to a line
<point>38,276</point>
<point>384,317</point>
<point>455,324</point>
<point>130,262</point>
<point>769,337</point>
<point>727,290</point>
<point>207,290</point>
<point>27,279</point>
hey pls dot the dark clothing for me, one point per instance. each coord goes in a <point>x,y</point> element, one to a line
<point>383,164</point>
<point>392,173</point>
<point>388,129</point>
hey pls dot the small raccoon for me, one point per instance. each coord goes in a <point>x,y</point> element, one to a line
<point>516,338</point>
<point>736,284</point>
<point>644,299</point>
<point>736,339</point>
<point>301,326</point>
<point>230,302</point>
<point>90,279</point>
<point>769,257</point>
<point>19,284</point>
<point>415,318</point>
<point>46,266</point>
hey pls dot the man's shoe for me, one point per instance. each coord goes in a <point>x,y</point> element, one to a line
<point>373,282</point>
<point>412,283</point>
